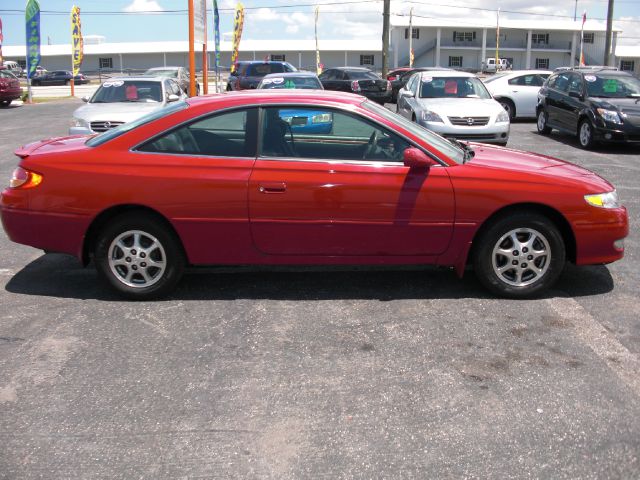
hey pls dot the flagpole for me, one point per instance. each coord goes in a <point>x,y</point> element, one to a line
<point>411,37</point>
<point>318,72</point>
<point>584,19</point>
<point>497,39</point>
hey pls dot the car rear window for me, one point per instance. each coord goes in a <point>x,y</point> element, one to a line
<point>362,75</point>
<point>262,69</point>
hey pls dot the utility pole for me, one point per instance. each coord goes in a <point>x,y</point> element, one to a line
<point>607,41</point>
<point>385,37</point>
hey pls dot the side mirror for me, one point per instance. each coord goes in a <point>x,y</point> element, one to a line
<point>85,98</point>
<point>576,95</point>
<point>173,98</point>
<point>416,158</point>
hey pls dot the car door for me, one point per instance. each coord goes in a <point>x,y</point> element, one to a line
<point>523,90</point>
<point>406,96</point>
<point>207,162</point>
<point>573,102</point>
<point>557,88</point>
<point>343,192</point>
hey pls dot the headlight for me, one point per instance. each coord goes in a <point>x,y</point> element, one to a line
<point>610,116</point>
<point>321,118</point>
<point>603,200</point>
<point>78,122</point>
<point>429,116</point>
<point>503,117</point>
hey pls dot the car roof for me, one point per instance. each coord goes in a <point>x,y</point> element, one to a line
<point>146,78</point>
<point>164,68</point>
<point>255,96</point>
<point>446,73</point>
<point>354,69</point>
<point>513,73</point>
<point>291,74</point>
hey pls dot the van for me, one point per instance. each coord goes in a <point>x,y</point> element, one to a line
<point>13,67</point>
<point>489,66</point>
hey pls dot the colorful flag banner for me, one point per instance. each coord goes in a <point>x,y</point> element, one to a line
<point>216,33</point>
<point>32,18</point>
<point>237,34</point>
<point>318,67</point>
<point>584,19</point>
<point>77,44</point>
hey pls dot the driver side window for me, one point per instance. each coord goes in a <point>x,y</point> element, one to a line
<point>326,134</point>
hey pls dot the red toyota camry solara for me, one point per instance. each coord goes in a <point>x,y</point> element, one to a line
<point>295,177</point>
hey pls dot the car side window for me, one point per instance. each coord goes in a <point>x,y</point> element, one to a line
<point>575,83</point>
<point>326,134</point>
<point>532,80</point>
<point>326,75</point>
<point>562,82</point>
<point>229,134</point>
<point>415,84</point>
<point>174,88</point>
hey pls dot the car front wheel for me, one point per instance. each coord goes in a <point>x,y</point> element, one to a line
<point>139,257</point>
<point>585,134</point>
<point>519,256</point>
<point>509,107</point>
<point>543,128</point>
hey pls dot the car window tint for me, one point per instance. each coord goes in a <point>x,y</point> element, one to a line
<point>562,82</point>
<point>453,87</point>
<point>326,134</point>
<point>575,83</point>
<point>361,75</point>
<point>221,135</point>
<point>531,80</point>
<point>128,91</point>
<point>612,86</point>
<point>305,83</point>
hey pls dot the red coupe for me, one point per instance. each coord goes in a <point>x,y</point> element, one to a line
<point>226,179</point>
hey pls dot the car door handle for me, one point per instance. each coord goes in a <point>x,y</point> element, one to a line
<point>514,91</point>
<point>276,187</point>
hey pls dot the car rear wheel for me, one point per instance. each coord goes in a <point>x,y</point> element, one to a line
<point>520,255</point>
<point>543,128</point>
<point>5,103</point>
<point>509,107</point>
<point>585,134</point>
<point>139,257</point>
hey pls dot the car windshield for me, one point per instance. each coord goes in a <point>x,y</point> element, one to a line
<point>362,75</point>
<point>262,69</point>
<point>439,143</point>
<point>612,86</point>
<point>143,91</point>
<point>162,73</point>
<point>452,87</point>
<point>308,83</point>
<point>125,127</point>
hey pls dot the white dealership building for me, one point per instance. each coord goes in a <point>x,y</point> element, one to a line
<point>463,44</point>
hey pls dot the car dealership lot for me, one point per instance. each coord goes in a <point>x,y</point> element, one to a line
<point>364,373</point>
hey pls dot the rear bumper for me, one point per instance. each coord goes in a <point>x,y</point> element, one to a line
<point>599,243</point>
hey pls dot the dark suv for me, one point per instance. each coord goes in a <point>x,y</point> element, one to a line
<point>248,74</point>
<point>596,105</point>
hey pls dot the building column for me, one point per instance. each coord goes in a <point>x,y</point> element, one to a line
<point>164,56</point>
<point>438,33</point>
<point>483,55</point>
<point>395,54</point>
<point>121,66</point>
<point>300,61</point>
<point>574,43</point>
<point>346,58</point>
<point>528,60</point>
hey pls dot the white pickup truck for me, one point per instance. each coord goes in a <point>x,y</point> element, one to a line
<point>489,66</point>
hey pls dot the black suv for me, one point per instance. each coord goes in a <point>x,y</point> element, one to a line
<point>357,80</point>
<point>597,105</point>
<point>247,74</point>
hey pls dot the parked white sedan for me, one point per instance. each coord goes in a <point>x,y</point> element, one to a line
<point>454,104</point>
<point>517,91</point>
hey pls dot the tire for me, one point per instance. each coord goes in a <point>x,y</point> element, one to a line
<point>585,134</point>
<point>126,247</point>
<point>66,82</point>
<point>509,107</point>
<point>529,239</point>
<point>541,122</point>
<point>197,89</point>
<point>5,103</point>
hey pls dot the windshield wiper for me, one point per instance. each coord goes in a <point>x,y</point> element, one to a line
<point>469,153</point>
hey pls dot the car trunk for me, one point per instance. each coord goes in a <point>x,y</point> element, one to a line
<point>373,85</point>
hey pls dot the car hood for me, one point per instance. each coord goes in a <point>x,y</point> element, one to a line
<point>627,105</point>
<point>115,112</point>
<point>535,166</point>
<point>461,107</point>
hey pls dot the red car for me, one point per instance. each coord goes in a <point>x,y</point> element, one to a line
<point>226,180</point>
<point>9,87</point>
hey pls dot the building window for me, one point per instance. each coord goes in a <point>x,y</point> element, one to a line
<point>455,61</point>
<point>588,37</point>
<point>542,63</point>
<point>277,58</point>
<point>464,36</point>
<point>105,62</point>
<point>540,38</point>
<point>415,33</point>
<point>366,60</point>
<point>628,65</point>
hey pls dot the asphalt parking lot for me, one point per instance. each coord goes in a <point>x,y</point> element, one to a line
<point>322,373</point>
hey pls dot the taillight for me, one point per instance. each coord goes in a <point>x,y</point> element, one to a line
<point>388,85</point>
<point>22,178</point>
<point>391,78</point>
<point>355,86</point>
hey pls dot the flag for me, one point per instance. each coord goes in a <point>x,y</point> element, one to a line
<point>318,67</point>
<point>77,44</point>
<point>32,19</point>
<point>216,33</point>
<point>237,34</point>
<point>411,58</point>
<point>584,19</point>
<point>1,38</point>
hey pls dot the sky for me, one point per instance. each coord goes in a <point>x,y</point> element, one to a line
<point>164,20</point>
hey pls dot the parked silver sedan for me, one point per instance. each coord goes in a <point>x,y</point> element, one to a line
<point>121,100</point>
<point>454,104</point>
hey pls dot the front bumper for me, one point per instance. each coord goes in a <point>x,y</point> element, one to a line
<point>617,134</point>
<point>492,133</point>
<point>596,239</point>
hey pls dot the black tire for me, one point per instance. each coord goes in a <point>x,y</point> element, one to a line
<point>539,264</point>
<point>197,89</point>
<point>585,134</point>
<point>509,107</point>
<point>541,122</point>
<point>156,243</point>
<point>5,103</point>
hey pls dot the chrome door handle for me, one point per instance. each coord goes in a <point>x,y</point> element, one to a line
<point>276,187</point>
